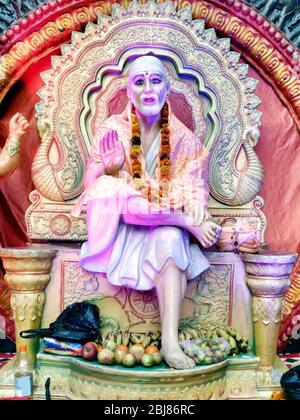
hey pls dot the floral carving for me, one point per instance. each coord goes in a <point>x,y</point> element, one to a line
<point>267,311</point>
<point>212,297</point>
<point>27,306</point>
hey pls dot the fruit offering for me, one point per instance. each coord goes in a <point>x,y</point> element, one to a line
<point>129,349</point>
<point>126,339</point>
<point>238,342</point>
<point>206,351</point>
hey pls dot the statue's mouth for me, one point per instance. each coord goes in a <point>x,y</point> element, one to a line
<point>149,100</point>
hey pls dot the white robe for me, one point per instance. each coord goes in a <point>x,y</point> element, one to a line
<point>139,253</point>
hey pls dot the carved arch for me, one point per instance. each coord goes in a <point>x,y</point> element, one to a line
<point>186,45</point>
<point>53,22</point>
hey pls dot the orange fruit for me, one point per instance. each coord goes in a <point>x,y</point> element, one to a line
<point>122,347</point>
<point>151,349</point>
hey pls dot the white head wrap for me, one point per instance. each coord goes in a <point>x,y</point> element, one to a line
<point>146,63</point>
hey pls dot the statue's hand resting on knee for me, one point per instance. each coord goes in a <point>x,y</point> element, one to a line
<point>209,230</point>
<point>210,233</point>
<point>112,153</point>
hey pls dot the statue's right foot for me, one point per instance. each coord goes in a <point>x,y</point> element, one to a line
<point>175,358</point>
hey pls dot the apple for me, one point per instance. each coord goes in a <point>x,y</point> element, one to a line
<point>90,351</point>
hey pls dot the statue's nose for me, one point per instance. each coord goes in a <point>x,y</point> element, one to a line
<point>147,86</point>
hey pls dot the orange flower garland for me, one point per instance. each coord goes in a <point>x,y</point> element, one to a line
<point>164,155</point>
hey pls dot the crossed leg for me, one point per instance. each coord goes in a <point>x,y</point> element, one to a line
<point>171,286</point>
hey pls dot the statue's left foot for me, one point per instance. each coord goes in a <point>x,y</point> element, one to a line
<point>175,358</point>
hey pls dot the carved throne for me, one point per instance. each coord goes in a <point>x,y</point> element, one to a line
<point>212,94</point>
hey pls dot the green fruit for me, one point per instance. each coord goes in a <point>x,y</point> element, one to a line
<point>137,350</point>
<point>129,360</point>
<point>106,357</point>
<point>157,358</point>
<point>147,360</point>
<point>119,356</point>
<point>110,345</point>
<point>218,355</point>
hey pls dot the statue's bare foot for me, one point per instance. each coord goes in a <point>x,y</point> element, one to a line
<point>175,357</point>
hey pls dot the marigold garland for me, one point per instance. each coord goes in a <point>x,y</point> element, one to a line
<point>164,153</point>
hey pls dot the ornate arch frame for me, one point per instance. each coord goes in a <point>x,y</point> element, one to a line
<point>51,24</point>
<point>265,47</point>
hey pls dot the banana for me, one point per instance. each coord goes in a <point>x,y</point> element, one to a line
<point>111,337</point>
<point>193,333</point>
<point>222,333</point>
<point>233,345</point>
<point>231,332</point>
<point>188,336</point>
<point>209,334</point>
<point>119,338</point>
<point>147,341</point>
<point>142,338</point>
<point>181,337</point>
<point>134,339</point>
<point>104,336</point>
<point>156,336</point>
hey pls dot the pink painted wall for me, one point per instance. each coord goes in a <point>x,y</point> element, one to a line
<point>279,152</point>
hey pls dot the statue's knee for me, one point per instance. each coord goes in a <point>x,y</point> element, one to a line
<point>169,235</point>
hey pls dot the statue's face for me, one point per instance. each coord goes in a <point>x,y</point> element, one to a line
<point>147,90</point>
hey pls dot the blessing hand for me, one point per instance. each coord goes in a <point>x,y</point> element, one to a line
<point>18,125</point>
<point>112,152</point>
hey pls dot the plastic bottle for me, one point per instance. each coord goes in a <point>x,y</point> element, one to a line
<point>23,373</point>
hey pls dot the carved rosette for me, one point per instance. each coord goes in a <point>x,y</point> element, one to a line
<point>268,277</point>
<point>27,274</point>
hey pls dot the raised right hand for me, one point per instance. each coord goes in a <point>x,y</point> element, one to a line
<point>112,152</point>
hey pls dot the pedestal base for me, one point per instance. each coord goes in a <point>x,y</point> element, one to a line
<point>75,379</point>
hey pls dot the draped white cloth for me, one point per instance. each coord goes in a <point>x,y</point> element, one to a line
<point>139,253</point>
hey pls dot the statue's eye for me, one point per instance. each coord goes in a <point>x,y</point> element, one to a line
<point>139,82</point>
<point>156,81</point>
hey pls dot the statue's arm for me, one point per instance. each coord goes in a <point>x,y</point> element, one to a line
<point>10,155</point>
<point>194,181</point>
<point>95,167</point>
<point>198,197</point>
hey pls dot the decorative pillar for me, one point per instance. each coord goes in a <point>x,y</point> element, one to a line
<point>27,274</point>
<point>268,277</point>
